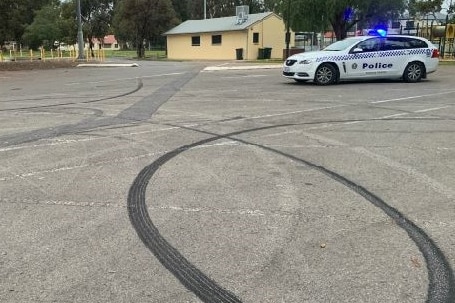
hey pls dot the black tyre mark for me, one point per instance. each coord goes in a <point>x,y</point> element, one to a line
<point>138,112</point>
<point>138,87</point>
<point>441,287</point>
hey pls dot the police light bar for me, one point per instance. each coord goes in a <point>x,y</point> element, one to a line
<point>381,32</point>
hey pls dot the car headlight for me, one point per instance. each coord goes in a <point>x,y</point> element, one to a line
<point>305,61</point>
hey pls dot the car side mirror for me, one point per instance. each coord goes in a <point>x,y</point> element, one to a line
<point>357,50</point>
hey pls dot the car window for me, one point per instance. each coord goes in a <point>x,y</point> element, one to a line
<point>341,45</point>
<point>396,43</point>
<point>417,43</point>
<point>370,45</point>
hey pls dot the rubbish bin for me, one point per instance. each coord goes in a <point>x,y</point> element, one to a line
<point>239,53</point>
<point>267,53</point>
<point>261,53</point>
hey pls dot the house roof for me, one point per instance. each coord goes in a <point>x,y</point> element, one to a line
<point>217,24</point>
<point>110,39</point>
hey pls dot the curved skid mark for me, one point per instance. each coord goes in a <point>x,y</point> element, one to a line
<point>441,287</point>
<point>138,87</point>
<point>192,278</point>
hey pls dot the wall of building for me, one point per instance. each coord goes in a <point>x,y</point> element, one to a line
<point>275,35</point>
<point>179,46</point>
<point>252,49</point>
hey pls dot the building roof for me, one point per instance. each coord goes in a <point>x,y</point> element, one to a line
<point>217,24</point>
<point>110,39</point>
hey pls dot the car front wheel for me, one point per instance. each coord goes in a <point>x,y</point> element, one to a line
<point>413,72</point>
<point>326,74</point>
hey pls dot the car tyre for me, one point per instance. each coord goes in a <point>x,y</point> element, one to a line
<point>326,74</point>
<point>413,72</point>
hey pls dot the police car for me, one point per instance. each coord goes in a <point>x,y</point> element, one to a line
<point>365,57</point>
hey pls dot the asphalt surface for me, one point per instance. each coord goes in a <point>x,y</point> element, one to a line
<point>224,182</point>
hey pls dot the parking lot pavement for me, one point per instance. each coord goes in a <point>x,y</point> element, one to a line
<point>173,182</point>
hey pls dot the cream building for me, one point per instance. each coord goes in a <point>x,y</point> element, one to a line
<point>241,37</point>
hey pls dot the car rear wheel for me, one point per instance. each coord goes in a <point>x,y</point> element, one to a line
<point>326,74</point>
<point>413,72</point>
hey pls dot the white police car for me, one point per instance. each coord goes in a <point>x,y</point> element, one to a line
<point>365,57</point>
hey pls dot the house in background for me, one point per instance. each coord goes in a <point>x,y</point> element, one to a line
<point>244,36</point>
<point>108,42</point>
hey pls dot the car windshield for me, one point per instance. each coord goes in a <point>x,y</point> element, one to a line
<point>342,44</point>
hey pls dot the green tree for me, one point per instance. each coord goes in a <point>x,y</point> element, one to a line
<point>225,8</point>
<point>143,20</point>
<point>96,19</point>
<point>45,29</point>
<point>427,6</point>
<point>341,15</point>
<point>68,23</point>
<point>424,7</point>
<point>181,8</point>
<point>16,15</point>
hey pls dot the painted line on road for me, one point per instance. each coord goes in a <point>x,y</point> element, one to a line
<point>437,186</point>
<point>242,67</point>
<point>124,79</point>
<point>412,97</point>
<point>247,76</point>
<point>290,113</point>
<point>108,65</point>
<point>431,109</point>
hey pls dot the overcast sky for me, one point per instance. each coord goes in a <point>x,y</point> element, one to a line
<point>446,4</point>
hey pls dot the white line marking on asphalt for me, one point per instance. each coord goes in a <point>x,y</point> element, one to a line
<point>412,97</point>
<point>108,65</point>
<point>435,185</point>
<point>242,67</point>
<point>430,109</point>
<point>247,76</point>
<point>245,212</point>
<point>124,79</point>
<point>248,212</point>
<point>94,164</point>
<point>290,113</point>
<point>72,141</point>
<point>395,115</point>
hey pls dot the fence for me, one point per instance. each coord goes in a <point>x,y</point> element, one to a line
<point>21,55</point>
<point>443,36</point>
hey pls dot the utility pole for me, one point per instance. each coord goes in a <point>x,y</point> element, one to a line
<point>288,29</point>
<point>80,35</point>
<point>205,9</point>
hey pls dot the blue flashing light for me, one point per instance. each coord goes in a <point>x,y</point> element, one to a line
<point>381,32</point>
<point>378,31</point>
<point>348,14</point>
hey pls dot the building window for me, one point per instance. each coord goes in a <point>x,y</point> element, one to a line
<point>255,38</point>
<point>216,39</point>
<point>196,40</point>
